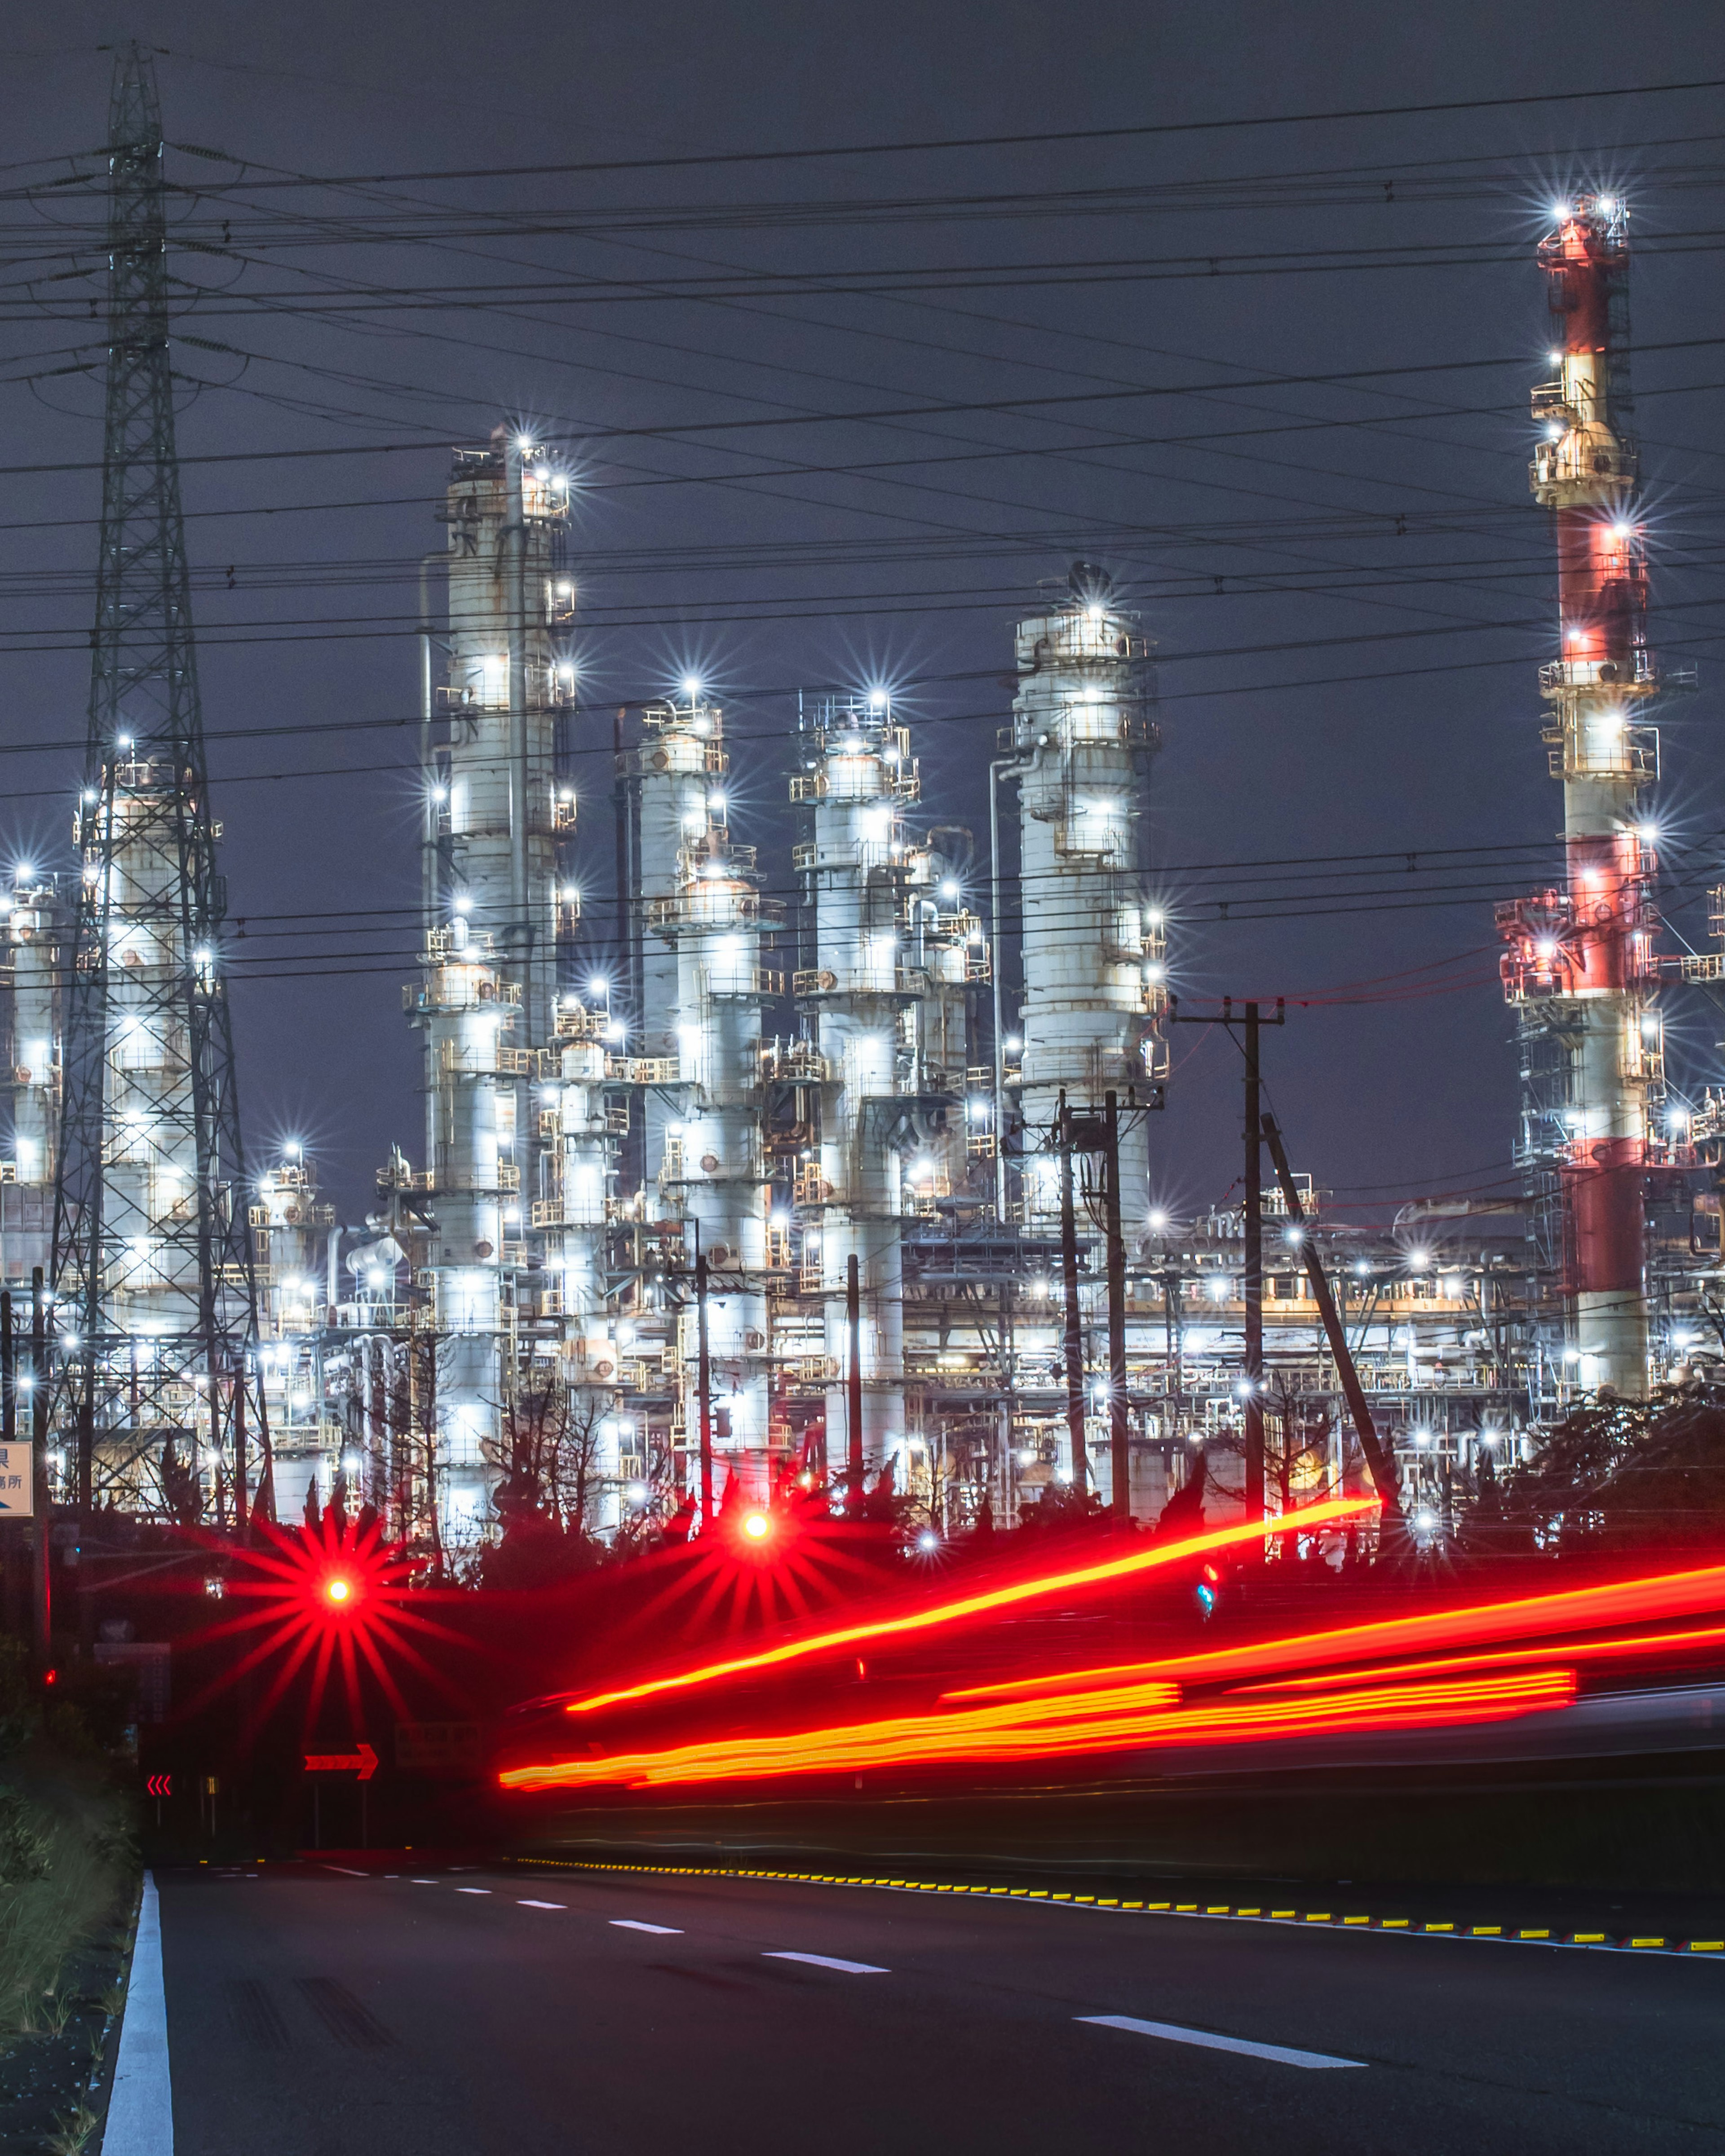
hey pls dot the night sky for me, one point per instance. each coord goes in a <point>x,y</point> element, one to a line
<point>1349,584</point>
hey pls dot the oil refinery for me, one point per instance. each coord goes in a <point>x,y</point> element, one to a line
<point>830,1166</point>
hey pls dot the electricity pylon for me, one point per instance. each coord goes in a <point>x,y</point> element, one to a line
<point>156,1302</point>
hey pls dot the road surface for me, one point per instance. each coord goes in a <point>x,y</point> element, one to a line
<point>318,2011</point>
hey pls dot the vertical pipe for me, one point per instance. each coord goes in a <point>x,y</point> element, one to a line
<point>1008,1395</point>
<point>1069,1271</point>
<point>521,927</point>
<point>1119,1445</point>
<point>1253,1283</point>
<point>86,1457</point>
<point>43,1598</point>
<point>623,867</point>
<point>217,1475</point>
<point>853,1388</point>
<point>242,1507</point>
<point>994,771</point>
<point>704,1393</point>
<point>428,851</point>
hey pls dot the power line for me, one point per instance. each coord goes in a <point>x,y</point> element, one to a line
<point>1142,131</point>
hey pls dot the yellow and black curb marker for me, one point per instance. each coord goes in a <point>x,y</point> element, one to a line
<point>1506,1934</point>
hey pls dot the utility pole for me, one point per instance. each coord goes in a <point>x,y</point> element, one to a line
<point>1380,1464</point>
<point>852,1389</point>
<point>43,1599</point>
<point>1252,1284</point>
<point>150,1233</point>
<point>1069,1273</point>
<point>17,1541</point>
<point>704,1393</point>
<point>1254,1281</point>
<point>1119,1442</point>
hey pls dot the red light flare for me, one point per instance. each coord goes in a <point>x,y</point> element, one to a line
<point>321,1600</point>
<point>1145,1716</point>
<point>1149,1558</point>
<point>729,1579</point>
<point>1661,1595</point>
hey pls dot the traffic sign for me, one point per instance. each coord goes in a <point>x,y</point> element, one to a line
<point>18,1483</point>
<point>443,1751</point>
<point>335,1762</point>
<point>160,1785</point>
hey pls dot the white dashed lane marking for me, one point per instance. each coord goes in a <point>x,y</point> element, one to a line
<point>472,1890</point>
<point>828,1961</point>
<point>544,1905</point>
<point>1206,2040</point>
<point>633,1924</point>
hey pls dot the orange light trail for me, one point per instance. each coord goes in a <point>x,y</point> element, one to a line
<point>1114,1721</point>
<point>1158,1556</point>
<point>1623,1601</point>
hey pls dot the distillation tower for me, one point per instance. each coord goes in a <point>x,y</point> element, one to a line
<point>884,1006</point>
<point>1092,943</point>
<point>1580,968</point>
<point>702,987</point>
<point>497,907</point>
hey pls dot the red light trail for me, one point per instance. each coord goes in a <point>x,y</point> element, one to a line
<point>1153,1556</point>
<point>1661,1595</point>
<point>1615,1646</point>
<point>1119,1719</point>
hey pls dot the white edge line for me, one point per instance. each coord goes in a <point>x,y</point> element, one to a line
<point>828,1961</point>
<point>1204,2040</point>
<point>141,2112</point>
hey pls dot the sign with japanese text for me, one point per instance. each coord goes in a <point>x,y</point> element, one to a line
<point>18,1483</point>
<point>444,1751</point>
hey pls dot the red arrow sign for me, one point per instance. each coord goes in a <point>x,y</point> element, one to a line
<point>335,1762</point>
<point>160,1785</point>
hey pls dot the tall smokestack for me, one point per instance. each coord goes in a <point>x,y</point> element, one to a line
<point>1581,965</point>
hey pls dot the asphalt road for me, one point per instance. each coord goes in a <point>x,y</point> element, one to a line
<point>312,2012</point>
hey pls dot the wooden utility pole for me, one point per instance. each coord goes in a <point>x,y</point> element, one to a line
<point>1119,1441</point>
<point>853,1388</point>
<point>1074,1326</point>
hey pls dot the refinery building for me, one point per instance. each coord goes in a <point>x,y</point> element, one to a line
<point>835,1168</point>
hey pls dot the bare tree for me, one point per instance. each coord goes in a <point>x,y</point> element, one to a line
<point>1296,1447</point>
<point>548,1457</point>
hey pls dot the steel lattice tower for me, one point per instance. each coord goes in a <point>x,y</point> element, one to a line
<point>156,1301</point>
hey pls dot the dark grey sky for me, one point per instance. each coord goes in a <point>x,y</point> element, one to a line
<point>1349,581</point>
